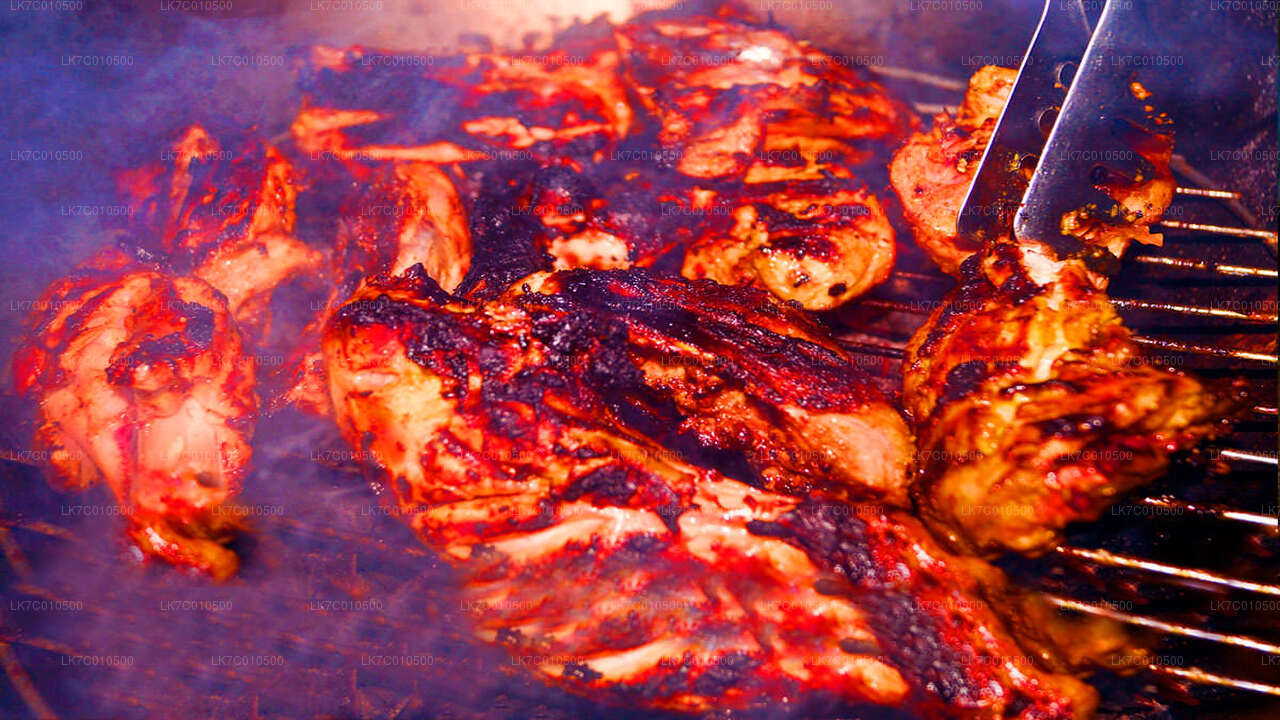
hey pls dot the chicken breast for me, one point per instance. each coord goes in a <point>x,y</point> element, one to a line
<point>726,90</point>
<point>932,172</point>
<point>613,567</point>
<point>744,372</point>
<point>1034,407</point>
<point>818,243</point>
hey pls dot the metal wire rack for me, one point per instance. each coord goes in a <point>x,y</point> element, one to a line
<point>917,287</point>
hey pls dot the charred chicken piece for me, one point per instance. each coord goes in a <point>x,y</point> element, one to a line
<point>728,94</point>
<point>933,171</point>
<point>603,216</point>
<point>819,243</point>
<point>372,219</point>
<point>745,372</point>
<point>631,575</point>
<point>142,381</point>
<point>226,217</point>
<point>395,216</point>
<point>1034,407</point>
<point>377,107</point>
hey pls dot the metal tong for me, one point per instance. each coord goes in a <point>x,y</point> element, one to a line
<point>1072,120</point>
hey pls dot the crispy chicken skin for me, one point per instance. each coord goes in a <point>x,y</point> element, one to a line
<point>746,373</point>
<point>142,381</point>
<point>726,90</point>
<point>1033,406</point>
<point>932,173</point>
<point>615,568</point>
<point>819,243</point>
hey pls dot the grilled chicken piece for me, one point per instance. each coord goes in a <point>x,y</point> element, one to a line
<point>1034,407</point>
<point>1142,192</point>
<point>142,381</point>
<point>724,90</point>
<point>603,216</point>
<point>745,372</point>
<point>460,109</point>
<point>818,243</point>
<point>933,171</point>
<point>373,219</point>
<point>395,216</point>
<point>226,217</point>
<point>615,568</point>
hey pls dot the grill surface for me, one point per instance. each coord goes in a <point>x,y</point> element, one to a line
<point>339,612</point>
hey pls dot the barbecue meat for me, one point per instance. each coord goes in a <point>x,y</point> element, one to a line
<point>606,215</point>
<point>1033,406</point>
<point>819,243</point>
<point>731,113</point>
<point>932,173</point>
<point>729,94</point>
<point>142,381</point>
<point>394,216</point>
<point>745,372</point>
<point>225,216</point>
<point>615,568</point>
<point>378,107</point>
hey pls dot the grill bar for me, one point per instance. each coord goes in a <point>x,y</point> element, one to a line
<point>1110,559</point>
<point>1248,456</point>
<point>1207,266</point>
<point>1265,235</point>
<point>1130,303</point>
<point>1206,193</point>
<point>1207,678</point>
<point>1261,318</point>
<point>1215,511</point>
<point>1211,350</point>
<point>22,683</point>
<point>1191,348</point>
<point>1171,628</point>
<point>941,82</point>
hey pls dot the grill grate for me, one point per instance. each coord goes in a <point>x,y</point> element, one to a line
<point>905,299</point>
